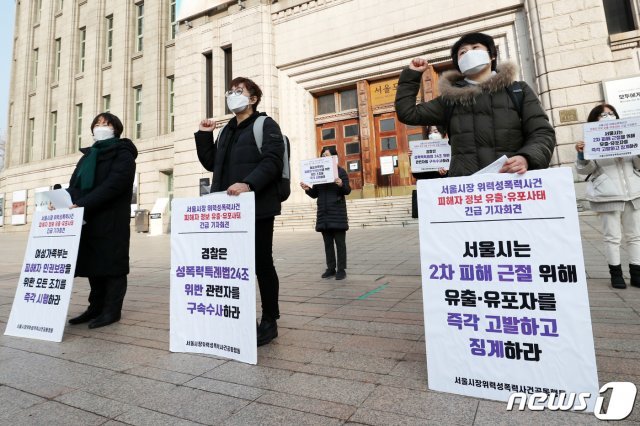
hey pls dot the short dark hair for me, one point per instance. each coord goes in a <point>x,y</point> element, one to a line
<point>594,115</point>
<point>251,86</point>
<point>110,119</point>
<point>331,149</point>
<point>473,38</point>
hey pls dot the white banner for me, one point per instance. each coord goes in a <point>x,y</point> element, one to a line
<point>319,170</point>
<point>624,95</point>
<point>42,298</point>
<point>430,155</point>
<point>40,198</point>
<point>213,295</point>
<point>19,207</point>
<point>611,138</point>
<point>504,287</point>
<point>386,165</point>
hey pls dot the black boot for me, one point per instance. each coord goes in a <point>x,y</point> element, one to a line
<point>617,281</point>
<point>116,288</point>
<point>328,273</point>
<point>634,270</point>
<point>341,274</point>
<point>96,302</point>
<point>267,330</point>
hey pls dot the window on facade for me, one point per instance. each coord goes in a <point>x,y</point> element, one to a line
<point>139,26</point>
<point>56,65</point>
<point>326,104</point>
<point>387,125</point>
<point>228,73</point>
<point>79,126</point>
<point>328,134</point>
<point>106,103</point>
<point>173,22</point>
<point>352,148</point>
<point>208,61</point>
<point>619,15</point>
<point>37,12</point>
<point>82,49</point>
<point>137,99</point>
<point>351,130</point>
<point>32,129</point>
<point>54,134</point>
<point>34,73</point>
<point>170,93</point>
<point>60,5</point>
<point>348,100</point>
<point>388,143</point>
<point>109,39</point>
<point>415,137</point>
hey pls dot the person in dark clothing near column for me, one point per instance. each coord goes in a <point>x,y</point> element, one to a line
<point>102,183</point>
<point>332,218</point>
<point>238,166</point>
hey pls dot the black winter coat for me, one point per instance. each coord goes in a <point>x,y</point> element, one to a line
<point>104,242</point>
<point>332,206</point>
<point>244,163</point>
<point>485,123</point>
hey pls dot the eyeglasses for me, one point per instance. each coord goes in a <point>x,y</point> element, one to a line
<point>607,114</point>
<point>233,92</point>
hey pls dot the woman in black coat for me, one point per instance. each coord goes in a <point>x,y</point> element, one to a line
<point>332,218</point>
<point>102,183</point>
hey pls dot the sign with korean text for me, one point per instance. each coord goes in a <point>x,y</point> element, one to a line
<point>430,155</point>
<point>319,170</point>
<point>19,207</point>
<point>386,165</point>
<point>612,138</point>
<point>383,91</point>
<point>42,298</point>
<point>624,95</point>
<point>213,296</point>
<point>505,292</point>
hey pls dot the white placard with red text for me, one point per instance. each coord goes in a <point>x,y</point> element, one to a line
<point>505,293</point>
<point>612,138</point>
<point>213,296</point>
<point>319,170</point>
<point>43,294</point>
<point>430,155</point>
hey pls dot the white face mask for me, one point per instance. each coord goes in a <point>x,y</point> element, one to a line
<point>237,103</point>
<point>101,133</point>
<point>474,61</point>
<point>608,117</point>
<point>435,136</point>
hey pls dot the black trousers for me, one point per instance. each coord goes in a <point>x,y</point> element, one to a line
<point>339,238</point>
<point>268,281</point>
<point>107,293</point>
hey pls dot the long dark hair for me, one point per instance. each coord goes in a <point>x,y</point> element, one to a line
<point>594,115</point>
<point>331,149</point>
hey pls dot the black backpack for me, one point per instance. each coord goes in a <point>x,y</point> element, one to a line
<point>514,91</point>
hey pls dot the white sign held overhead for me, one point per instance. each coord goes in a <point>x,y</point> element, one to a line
<point>213,297</point>
<point>611,138</point>
<point>43,294</point>
<point>505,304</point>
<point>319,170</point>
<point>430,155</point>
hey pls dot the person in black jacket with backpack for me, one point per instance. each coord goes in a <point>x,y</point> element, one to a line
<point>332,218</point>
<point>239,166</point>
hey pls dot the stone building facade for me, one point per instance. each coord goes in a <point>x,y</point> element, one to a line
<point>327,69</point>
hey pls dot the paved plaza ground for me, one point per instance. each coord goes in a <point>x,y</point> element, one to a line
<point>345,354</point>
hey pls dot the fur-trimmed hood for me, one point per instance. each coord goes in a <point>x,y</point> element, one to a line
<point>454,89</point>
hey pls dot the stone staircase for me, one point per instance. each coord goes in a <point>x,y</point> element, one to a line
<point>367,212</point>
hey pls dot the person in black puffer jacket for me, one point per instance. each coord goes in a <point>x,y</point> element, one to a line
<point>102,183</point>
<point>332,218</point>
<point>484,122</point>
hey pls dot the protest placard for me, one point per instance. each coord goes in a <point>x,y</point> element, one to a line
<point>213,297</point>
<point>611,138</point>
<point>430,155</point>
<point>319,170</point>
<point>40,306</point>
<point>505,292</point>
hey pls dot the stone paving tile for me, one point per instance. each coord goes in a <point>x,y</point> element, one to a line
<point>360,363</point>
<point>130,389</point>
<point>160,375</point>
<point>194,364</point>
<point>143,417</point>
<point>255,376</point>
<point>54,413</point>
<point>13,401</point>
<point>326,388</point>
<point>426,405</point>
<point>93,403</point>
<point>226,388</point>
<point>383,418</point>
<point>308,405</point>
<point>492,413</point>
<point>269,415</point>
